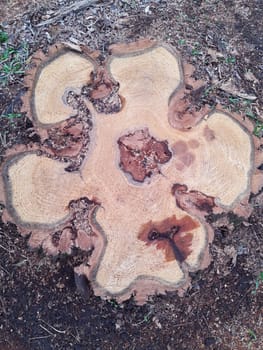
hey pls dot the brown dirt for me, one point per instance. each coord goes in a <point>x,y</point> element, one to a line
<point>40,307</point>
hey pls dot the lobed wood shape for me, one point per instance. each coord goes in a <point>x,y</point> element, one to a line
<point>152,166</point>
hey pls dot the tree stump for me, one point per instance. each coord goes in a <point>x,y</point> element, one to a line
<point>128,166</point>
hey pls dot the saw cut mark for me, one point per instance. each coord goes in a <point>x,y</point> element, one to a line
<point>128,168</point>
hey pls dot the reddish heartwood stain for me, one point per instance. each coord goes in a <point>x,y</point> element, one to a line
<point>141,154</point>
<point>208,134</point>
<point>193,201</point>
<point>193,144</point>
<point>172,235</point>
<point>102,84</point>
<point>179,166</point>
<point>179,147</point>
<point>187,159</point>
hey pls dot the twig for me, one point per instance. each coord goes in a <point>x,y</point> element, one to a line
<point>3,305</point>
<point>77,6</point>
<point>4,270</point>
<point>53,328</point>
<point>241,300</point>
<point>3,139</point>
<point>183,324</point>
<point>41,337</point>
<point>45,329</point>
<point>205,321</point>
<point>7,250</point>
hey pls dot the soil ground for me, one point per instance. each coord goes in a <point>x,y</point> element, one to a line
<point>40,307</point>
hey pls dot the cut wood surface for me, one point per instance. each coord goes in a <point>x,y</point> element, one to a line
<point>62,71</point>
<point>151,173</point>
